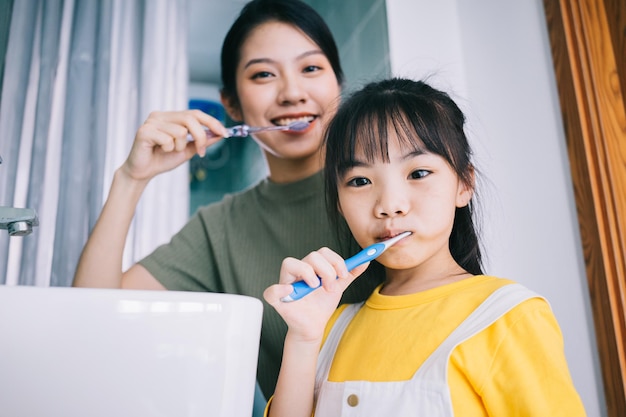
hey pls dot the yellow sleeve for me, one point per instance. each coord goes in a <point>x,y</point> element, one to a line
<point>267,407</point>
<point>528,375</point>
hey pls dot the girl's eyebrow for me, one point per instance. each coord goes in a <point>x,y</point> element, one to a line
<point>271,61</point>
<point>414,153</point>
<point>409,155</point>
<point>357,164</point>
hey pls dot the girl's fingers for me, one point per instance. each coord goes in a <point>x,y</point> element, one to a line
<point>322,265</point>
<point>307,317</point>
<point>275,293</point>
<point>322,268</point>
<point>293,270</point>
<point>330,267</point>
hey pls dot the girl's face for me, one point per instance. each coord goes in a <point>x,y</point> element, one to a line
<point>418,192</point>
<point>283,76</point>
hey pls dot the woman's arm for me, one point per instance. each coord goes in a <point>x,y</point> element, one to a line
<point>100,263</point>
<point>160,145</point>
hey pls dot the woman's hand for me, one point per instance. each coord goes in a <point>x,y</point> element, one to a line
<point>161,142</point>
<point>307,317</point>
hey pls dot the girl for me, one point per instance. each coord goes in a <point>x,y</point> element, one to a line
<point>437,338</point>
<point>279,64</point>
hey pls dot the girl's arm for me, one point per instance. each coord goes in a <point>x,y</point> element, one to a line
<point>160,145</point>
<point>306,320</point>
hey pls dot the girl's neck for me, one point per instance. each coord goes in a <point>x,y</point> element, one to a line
<point>421,278</point>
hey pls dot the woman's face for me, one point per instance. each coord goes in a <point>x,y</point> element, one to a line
<point>283,76</point>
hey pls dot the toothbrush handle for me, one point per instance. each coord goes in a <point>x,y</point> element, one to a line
<point>234,131</point>
<point>241,131</point>
<point>301,288</point>
<point>209,134</point>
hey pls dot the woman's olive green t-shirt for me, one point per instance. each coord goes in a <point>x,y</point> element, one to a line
<point>238,244</point>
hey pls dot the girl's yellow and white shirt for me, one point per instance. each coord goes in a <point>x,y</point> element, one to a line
<point>515,366</point>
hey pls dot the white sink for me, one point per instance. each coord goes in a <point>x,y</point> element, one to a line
<point>91,352</point>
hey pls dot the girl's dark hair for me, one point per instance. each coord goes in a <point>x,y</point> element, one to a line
<point>424,119</point>
<point>293,12</point>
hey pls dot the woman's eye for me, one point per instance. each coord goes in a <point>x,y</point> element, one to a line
<point>358,182</point>
<point>261,74</point>
<point>419,173</point>
<point>311,68</point>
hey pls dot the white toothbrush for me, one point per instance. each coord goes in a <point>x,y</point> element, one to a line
<point>244,130</point>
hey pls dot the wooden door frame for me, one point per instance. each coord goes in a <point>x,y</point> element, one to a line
<point>590,66</point>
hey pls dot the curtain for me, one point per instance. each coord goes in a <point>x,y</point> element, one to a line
<point>79,78</point>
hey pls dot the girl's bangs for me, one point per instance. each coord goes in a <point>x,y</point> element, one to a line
<point>366,137</point>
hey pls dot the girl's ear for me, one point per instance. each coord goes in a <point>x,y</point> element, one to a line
<point>466,190</point>
<point>232,107</point>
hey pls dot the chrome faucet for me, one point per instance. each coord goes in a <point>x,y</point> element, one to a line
<point>18,221</point>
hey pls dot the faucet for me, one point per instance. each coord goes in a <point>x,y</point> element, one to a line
<point>18,221</point>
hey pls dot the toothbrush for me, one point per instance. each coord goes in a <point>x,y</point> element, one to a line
<point>301,288</point>
<point>241,131</point>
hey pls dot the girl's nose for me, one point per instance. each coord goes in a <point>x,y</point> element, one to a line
<point>291,91</point>
<point>391,203</point>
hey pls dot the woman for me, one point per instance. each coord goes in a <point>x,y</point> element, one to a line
<point>279,64</point>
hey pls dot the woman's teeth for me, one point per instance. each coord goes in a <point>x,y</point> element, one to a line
<point>288,121</point>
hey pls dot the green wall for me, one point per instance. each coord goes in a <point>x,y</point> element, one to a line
<point>360,29</point>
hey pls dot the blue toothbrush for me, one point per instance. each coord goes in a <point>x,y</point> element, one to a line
<point>301,288</point>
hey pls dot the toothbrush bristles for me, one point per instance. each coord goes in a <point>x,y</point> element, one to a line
<point>298,125</point>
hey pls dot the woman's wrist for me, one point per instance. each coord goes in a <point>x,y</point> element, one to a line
<point>127,182</point>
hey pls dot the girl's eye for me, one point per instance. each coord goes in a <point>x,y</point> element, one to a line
<point>358,182</point>
<point>419,173</point>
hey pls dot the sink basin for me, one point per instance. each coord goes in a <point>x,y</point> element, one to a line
<point>97,352</point>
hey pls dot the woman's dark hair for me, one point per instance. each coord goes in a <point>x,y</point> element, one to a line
<point>424,119</point>
<point>293,12</point>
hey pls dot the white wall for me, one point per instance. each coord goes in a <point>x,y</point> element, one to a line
<point>494,58</point>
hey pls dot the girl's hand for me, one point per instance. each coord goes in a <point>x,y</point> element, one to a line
<point>161,142</point>
<point>308,316</point>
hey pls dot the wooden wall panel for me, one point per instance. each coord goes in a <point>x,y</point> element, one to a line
<point>616,11</point>
<point>589,55</point>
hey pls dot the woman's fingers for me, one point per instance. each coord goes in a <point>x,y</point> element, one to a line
<point>179,124</point>
<point>162,143</point>
<point>197,122</point>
